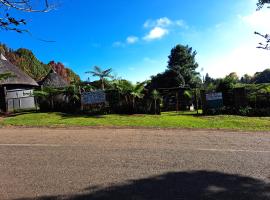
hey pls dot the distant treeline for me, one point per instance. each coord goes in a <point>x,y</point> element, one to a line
<point>28,62</point>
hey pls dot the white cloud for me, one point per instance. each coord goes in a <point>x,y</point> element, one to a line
<point>132,39</point>
<point>164,22</point>
<point>181,23</point>
<point>242,60</point>
<point>156,33</point>
<point>258,20</point>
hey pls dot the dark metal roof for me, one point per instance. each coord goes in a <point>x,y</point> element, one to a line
<point>53,80</point>
<point>18,76</point>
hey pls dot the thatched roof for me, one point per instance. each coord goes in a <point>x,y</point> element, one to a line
<point>18,76</point>
<point>53,80</point>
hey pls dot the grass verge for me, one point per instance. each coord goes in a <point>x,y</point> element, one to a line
<point>165,120</point>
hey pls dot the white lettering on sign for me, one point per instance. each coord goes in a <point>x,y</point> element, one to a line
<point>95,97</point>
<point>214,96</point>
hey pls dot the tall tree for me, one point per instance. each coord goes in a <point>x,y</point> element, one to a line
<point>9,22</point>
<point>182,62</point>
<point>102,74</point>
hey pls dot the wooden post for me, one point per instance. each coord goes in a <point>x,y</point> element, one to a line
<point>6,102</point>
<point>197,101</point>
<point>82,107</point>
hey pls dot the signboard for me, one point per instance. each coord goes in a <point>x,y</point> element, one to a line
<point>19,93</point>
<point>95,97</point>
<point>20,99</point>
<point>214,100</point>
<point>213,96</point>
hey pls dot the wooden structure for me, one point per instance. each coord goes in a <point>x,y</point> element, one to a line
<point>173,98</point>
<point>53,80</point>
<point>16,92</point>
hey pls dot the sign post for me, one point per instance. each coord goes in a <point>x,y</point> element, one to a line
<point>213,101</point>
<point>92,98</point>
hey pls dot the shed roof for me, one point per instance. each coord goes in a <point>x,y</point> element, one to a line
<point>18,76</point>
<point>53,80</point>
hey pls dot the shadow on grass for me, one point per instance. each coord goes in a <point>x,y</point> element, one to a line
<point>193,114</point>
<point>190,185</point>
<point>80,115</point>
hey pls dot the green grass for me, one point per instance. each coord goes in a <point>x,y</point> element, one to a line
<point>166,120</point>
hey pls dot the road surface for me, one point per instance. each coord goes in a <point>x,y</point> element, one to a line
<point>135,164</point>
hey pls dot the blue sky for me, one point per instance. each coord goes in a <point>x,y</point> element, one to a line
<point>135,37</point>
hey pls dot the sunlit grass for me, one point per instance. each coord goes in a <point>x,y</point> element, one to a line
<point>165,120</point>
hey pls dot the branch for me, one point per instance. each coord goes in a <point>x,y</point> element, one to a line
<point>266,45</point>
<point>25,5</point>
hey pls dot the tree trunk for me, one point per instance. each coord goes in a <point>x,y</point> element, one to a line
<point>155,106</point>
<point>133,103</point>
<point>52,104</point>
<point>102,84</point>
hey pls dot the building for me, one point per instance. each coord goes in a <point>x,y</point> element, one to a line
<point>16,92</point>
<point>56,101</point>
<point>53,80</point>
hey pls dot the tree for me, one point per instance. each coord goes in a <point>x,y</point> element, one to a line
<point>182,61</point>
<point>208,79</point>
<point>233,77</point>
<point>247,79</point>
<point>264,45</point>
<point>156,96</point>
<point>181,70</point>
<point>48,94</point>
<point>136,92</point>
<point>166,79</point>
<point>262,77</point>
<point>10,23</point>
<point>102,74</point>
<point>261,3</point>
<point>129,92</point>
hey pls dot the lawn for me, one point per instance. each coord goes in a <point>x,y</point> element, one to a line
<point>166,120</point>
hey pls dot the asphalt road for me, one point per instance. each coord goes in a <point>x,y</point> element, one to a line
<point>133,164</point>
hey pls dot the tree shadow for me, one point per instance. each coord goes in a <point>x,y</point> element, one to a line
<point>190,185</point>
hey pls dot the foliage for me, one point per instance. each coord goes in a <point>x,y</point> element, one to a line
<point>102,74</point>
<point>66,73</point>
<point>156,97</point>
<point>6,75</point>
<point>225,84</point>
<point>59,99</point>
<point>129,95</point>
<point>261,3</point>
<point>27,61</point>
<point>262,77</point>
<point>246,79</point>
<point>47,94</point>
<point>165,120</point>
<point>166,79</point>
<point>264,45</point>
<point>181,70</point>
<point>182,61</point>
<point>11,23</point>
